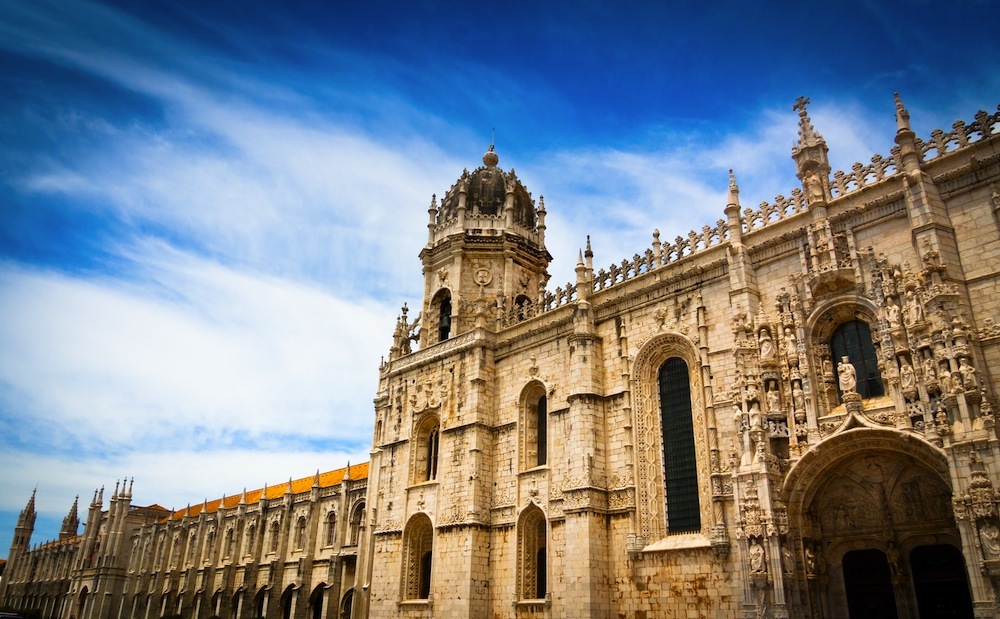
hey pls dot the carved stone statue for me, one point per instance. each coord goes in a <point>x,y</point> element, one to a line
<point>799,398</point>
<point>766,345</point>
<point>989,535</point>
<point>892,313</point>
<point>756,553</point>
<point>930,369</point>
<point>814,188</point>
<point>906,378</point>
<point>810,560</point>
<point>773,401</point>
<point>969,378</point>
<point>791,346</point>
<point>914,313</point>
<point>847,375</point>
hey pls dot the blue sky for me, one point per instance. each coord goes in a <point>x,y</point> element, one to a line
<point>211,212</point>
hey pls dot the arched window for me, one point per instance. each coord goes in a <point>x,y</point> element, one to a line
<point>275,532</point>
<point>853,340</point>
<point>680,468</point>
<point>300,533</point>
<point>251,534</point>
<point>331,528</point>
<point>210,546</point>
<point>532,555</point>
<point>444,319</point>
<point>426,448</point>
<point>534,427</point>
<point>418,549</point>
<point>357,520</point>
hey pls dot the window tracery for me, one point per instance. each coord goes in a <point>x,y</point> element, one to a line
<point>532,555</point>
<point>533,427</point>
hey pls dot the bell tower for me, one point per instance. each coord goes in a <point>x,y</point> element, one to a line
<point>485,252</point>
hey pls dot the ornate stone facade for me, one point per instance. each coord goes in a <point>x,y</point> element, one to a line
<point>789,413</point>
<point>288,550</point>
<point>833,358</point>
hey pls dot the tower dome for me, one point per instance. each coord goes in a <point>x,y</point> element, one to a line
<point>486,191</point>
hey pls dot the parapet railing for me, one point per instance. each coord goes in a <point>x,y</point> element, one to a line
<point>842,183</point>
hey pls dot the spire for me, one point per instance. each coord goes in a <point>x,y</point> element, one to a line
<point>902,116</point>
<point>347,471</point>
<point>71,523</point>
<point>734,191</point>
<point>243,497</point>
<point>807,133</point>
<point>289,490</point>
<point>316,479</point>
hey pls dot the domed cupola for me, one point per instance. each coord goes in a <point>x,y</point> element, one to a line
<point>485,247</point>
<point>486,190</point>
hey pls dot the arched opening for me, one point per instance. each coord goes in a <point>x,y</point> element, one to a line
<point>260,604</point>
<point>444,315</point>
<point>237,602</point>
<point>331,528</point>
<point>316,602</point>
<point>275,534</point>
<point>426,448</point>
<point>532,555</point>
<point>300,533</point>
<point>357,521</point>
<point>868,585</point>
<point>940,581</point>
<point>418,557</point>
<point>534,427</point>
<point>680,469</point>
<point>347,604</point>
<point>287,601</point>
<point>862,505</point>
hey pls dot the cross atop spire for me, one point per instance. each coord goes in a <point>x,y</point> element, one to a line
<point>800,105</point>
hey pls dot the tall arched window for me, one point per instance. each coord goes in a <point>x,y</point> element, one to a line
<point>251,538</point>
<point>679,465</point>
<point>418,557</point>
<point>357,519</point>
<point>331,528</point>
<point>853,340</point>
<point>532,555</point>
<point>300,533</point>
<point>534,427</point>
<point>426,447</point>
<point>275,532</point>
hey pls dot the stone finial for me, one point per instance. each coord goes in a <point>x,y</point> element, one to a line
<point>734,191</point>
<point>902,116</point>
<point>316,479</point>
<point>347,471</point>
<point>490,158</point>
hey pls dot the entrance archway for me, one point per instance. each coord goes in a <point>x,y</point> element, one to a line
<point>940,581</point>
<point>862,504</point>
<point>868,585</point>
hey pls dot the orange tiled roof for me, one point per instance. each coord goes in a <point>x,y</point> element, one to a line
<point>330,478</point>
<point>61,542</point>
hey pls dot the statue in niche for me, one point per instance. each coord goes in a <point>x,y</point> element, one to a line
<point>756,553</point>
<point>787,560</point>
<point>913,312</point>
<point>847,375</point>
<point>968,372</point>
<point>791,346</point>
<point>766,345</point>
<point>752,394</point>
<point>814,188</point>
<point>989,536</point>
<point>827,367</point>
<point>892,313</point>
<point>798,398</point>
<point>906,378</point>
<point>773,401</point>
<point>810,560</point>
<point>930,369</point>
<point>957,384</point>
